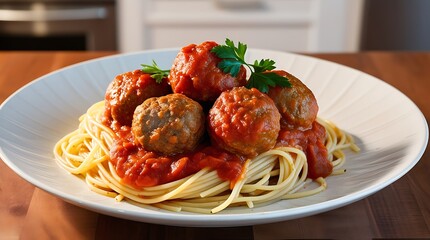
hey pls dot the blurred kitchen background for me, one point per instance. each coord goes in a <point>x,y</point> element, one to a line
<point>287,25</point>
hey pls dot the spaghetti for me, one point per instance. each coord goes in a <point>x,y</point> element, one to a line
<point>279,173</point>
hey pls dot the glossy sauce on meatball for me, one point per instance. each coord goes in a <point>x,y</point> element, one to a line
<point>195,73</point>
<point>244,121</point>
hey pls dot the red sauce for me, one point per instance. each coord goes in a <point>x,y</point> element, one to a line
<point>312,143</point>
<point>195,73</point>
<point>140,168</point>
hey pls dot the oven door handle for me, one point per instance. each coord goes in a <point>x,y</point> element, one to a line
<point>53,15</point>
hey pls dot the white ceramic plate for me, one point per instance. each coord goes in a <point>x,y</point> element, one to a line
<point>389,128</point>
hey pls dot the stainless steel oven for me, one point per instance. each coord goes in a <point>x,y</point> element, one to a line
<point>58,25</point>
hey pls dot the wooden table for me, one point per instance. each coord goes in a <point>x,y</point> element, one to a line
<point>401,210</point>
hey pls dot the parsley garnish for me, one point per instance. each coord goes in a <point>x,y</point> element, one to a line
<point>155,71</point>
<point>234,57</point>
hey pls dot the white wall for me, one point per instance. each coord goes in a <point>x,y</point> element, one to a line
<point>286,25</point>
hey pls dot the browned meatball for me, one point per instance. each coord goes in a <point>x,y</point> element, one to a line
<point>195,73</point>
<point>297,104</point>
<point>244,121</point>
<point>169,124</point>
<point>127,91</point>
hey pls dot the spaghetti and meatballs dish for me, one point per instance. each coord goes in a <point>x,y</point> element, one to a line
<point>210,133</point>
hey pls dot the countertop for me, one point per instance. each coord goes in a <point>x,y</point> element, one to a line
<point>401,210</point>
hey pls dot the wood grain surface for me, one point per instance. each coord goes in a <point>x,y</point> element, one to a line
<point>401,210</point>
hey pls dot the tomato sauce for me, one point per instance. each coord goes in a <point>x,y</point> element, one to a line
<point>312,143</point>
<point>140,168</point>
<point>195,73</point>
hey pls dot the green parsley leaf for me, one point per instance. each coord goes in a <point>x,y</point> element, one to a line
<point>230,66</point>
<point>155,71</point>
<point>224,52</point>
<point>262,81</point>
<point>255,82</point>
<point>264,65</point>
<point>234,57</point>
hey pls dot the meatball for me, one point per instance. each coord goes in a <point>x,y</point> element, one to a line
<point>169,124</point>
<point>195,73</point>
<point>297,104</point>
<point>127,91</point>
<point>244,121</point>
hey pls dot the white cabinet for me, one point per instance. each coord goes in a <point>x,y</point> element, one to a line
<point>287,25</point>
